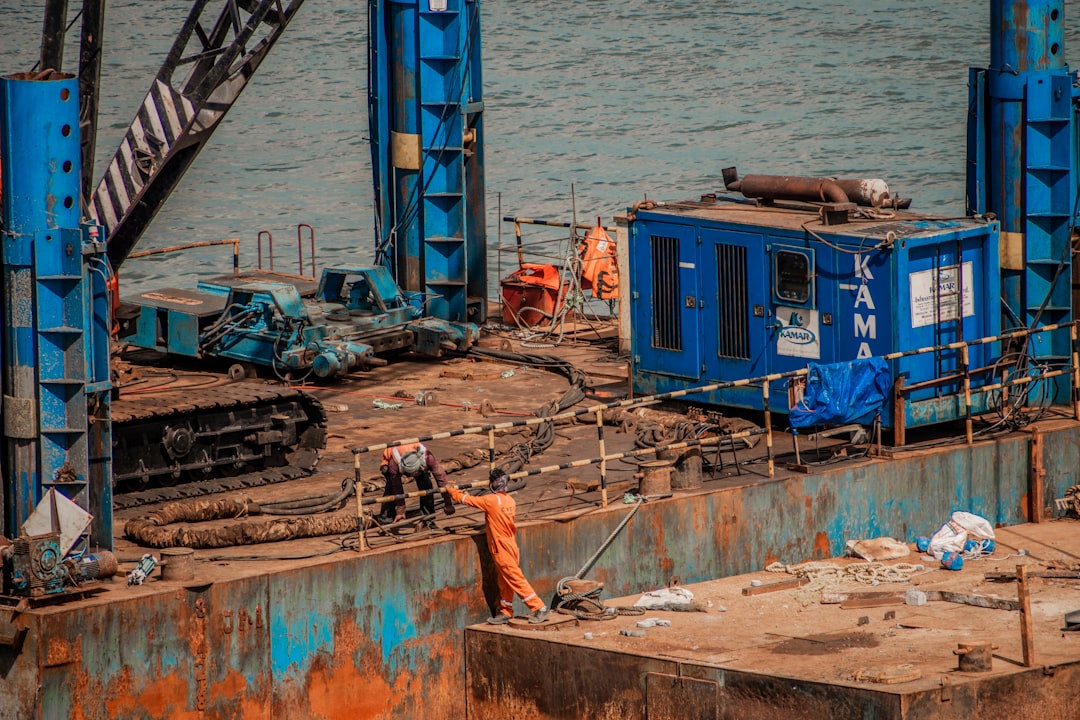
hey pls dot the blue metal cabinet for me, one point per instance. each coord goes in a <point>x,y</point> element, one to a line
<point>723,291</point>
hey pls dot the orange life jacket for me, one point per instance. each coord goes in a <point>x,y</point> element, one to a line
<point>599,268</point>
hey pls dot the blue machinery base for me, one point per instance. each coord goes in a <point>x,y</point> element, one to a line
<point>381,635</point>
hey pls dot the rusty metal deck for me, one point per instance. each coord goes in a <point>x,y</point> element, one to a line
<point>787,654</point>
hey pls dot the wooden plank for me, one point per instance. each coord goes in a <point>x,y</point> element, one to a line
<point>870,602</point>
<point>831,598</point>
<point>892,676</point>
<point>773,587</point>
<point>1007,576</point>
<point>1038,476</point>
<point>471,374</point>
<point>579,485</point>
<point>984,601</point>
<point>880,599</point>
<point>1024,601</point>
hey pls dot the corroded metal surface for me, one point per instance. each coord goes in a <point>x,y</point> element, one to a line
<point>199,651</point>
<point>496,691</point>
<point>1048,694</point>
<point>510,676</point>
<point>675,697</point>
<point>378,636</point>
<point>381,635</point>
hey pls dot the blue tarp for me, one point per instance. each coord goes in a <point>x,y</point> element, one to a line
<point>842,393</point>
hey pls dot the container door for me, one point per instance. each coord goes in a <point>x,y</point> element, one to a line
<point>736,294</point>
<point>666,334</point>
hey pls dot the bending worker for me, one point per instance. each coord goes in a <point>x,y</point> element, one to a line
<point>417,462</point>
<point>499,512</point>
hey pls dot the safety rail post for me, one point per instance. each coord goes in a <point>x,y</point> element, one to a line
<point>270,244</point>
<point>1004,384</point>
<point>358,487</point>
<point>517,239</point>
<point>1075,373</point>
<point>235,256</point>
<point>498,260</point>
<point>899,413</point>
<point>768,427</point>
<point>603,457</point>
<point>491,449</point>
<point>877,429</point>
<point>964,360</point>
<point>300,246</point>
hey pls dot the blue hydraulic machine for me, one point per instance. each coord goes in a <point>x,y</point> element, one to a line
<point>55,311</point>
<point>1022,168</point>
<point>425,112</point>
<point>357,315</point>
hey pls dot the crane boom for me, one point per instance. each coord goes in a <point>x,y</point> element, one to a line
<point>181,111</point>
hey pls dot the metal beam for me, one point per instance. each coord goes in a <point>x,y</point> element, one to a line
<point>90,43</point>
<point>53,31</point>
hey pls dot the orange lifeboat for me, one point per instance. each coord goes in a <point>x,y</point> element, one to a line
<point>530,294</point>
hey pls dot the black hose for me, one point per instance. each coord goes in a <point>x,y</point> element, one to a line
<point>308,506</point>
<point>519,455</point>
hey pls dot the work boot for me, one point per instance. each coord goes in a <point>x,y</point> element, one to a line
<point>500,619</point>
<point>428,525</point>
<point>538,616</point>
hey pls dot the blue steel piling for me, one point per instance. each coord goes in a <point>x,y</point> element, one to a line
<point>55,340</point>
<point>425,117</point>
<point>41,161</point>
<point>1021,163</point>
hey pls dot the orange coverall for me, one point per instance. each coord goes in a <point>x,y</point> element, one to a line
<point>499,511</point>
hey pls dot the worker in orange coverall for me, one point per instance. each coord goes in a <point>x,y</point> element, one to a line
<point>499,511</point>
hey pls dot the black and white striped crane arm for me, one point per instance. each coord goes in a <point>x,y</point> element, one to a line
<point>204,73</point>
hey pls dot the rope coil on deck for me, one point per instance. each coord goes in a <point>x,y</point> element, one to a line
<point>585,603</point>
<point>820,572</point>
<point>824,575</point>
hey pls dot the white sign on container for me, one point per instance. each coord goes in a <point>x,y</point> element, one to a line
<point>937,295</point>
<point>798,333</point>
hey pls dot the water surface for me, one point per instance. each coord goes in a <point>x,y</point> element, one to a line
<point>618,100</point>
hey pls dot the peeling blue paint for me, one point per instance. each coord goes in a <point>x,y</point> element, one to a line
<point>292,643</point>
<point>395,628</point>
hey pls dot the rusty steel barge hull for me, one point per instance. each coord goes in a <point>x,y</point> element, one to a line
<point>765,645</point>
<point>382,634</point>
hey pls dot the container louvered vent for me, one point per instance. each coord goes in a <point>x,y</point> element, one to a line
<point>733,333</point>
<point>666,312</point>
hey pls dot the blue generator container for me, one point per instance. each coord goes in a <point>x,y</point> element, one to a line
<point>724,289</point>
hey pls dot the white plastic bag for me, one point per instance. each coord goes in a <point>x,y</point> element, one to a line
<point>977,526</point>
<point>953,534</point>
